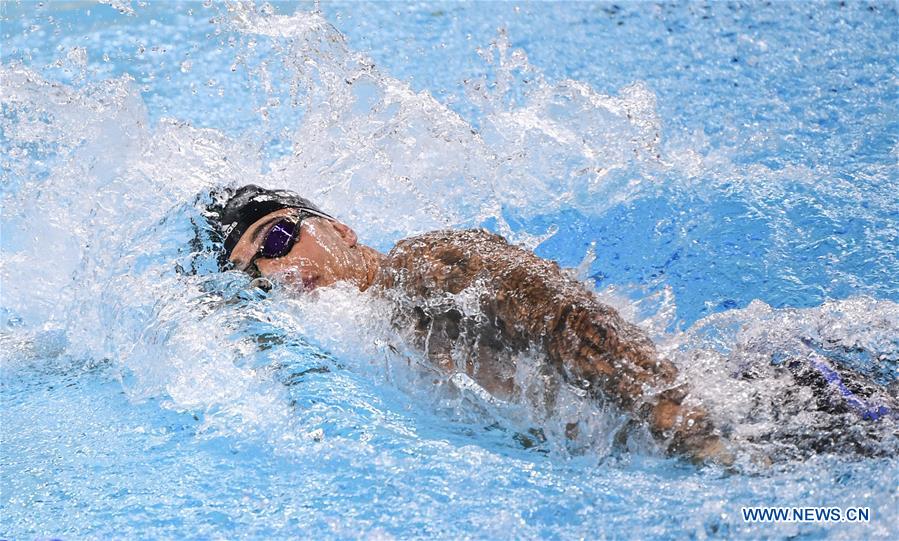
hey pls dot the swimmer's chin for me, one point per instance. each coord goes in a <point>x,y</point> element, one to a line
<point>295,284</point>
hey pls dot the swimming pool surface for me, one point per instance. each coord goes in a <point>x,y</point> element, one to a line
<point>725,174</point>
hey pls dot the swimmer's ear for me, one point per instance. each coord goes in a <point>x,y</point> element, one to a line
<point>346,233</point>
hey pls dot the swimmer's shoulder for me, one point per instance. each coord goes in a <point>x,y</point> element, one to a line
<point>446,259</point>
<point>447,246</point>
<point>466,239</point>
<point>453,259</point>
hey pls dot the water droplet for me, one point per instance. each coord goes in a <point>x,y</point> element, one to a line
<point>185,66</point>
<point>77,56</point>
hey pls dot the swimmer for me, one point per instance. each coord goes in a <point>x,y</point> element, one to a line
<point>523,302</point>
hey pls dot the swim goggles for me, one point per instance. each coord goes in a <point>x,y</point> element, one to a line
<point>279,239</point>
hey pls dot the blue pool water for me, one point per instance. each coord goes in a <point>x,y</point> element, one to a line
<point>725,174</point>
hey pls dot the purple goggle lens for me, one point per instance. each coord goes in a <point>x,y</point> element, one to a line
<point>280,238</point>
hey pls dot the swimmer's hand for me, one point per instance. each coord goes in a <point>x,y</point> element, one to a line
<point>689,431</point>
<point>713,451</point>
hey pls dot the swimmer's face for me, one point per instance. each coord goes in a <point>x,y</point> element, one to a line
<point>325,251</point>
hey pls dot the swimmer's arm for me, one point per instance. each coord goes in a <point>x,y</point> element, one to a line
<point>530,300</point>
<point>596,349</point>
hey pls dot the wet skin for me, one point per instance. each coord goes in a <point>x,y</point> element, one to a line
<point>527,301</point>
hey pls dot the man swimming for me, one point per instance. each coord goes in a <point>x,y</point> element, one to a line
<point>470,301</point>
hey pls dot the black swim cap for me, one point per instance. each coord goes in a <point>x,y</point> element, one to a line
<point>251,203</point>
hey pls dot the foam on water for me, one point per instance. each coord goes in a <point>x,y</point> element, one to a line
<point>104,287</point>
